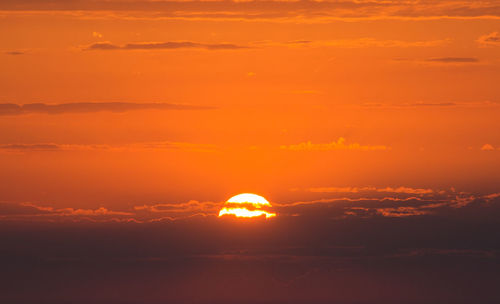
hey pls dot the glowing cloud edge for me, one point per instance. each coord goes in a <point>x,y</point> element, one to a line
<point>242,212</point>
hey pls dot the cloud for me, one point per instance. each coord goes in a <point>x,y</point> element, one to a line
<point>453,60</point>
<point>142,146</point>
<point>277,11</point>
<point>406,190</point>
<point>30,147</point>
<point>105,46</point>
<point>492,39</point>
<point>76,212</point>
<point>437,203</point>
<point>371,42</point>
<point>193,207</point>
<point>90,107</point>
<point>487,147</point>
<point>401,212</point>
<point>14,53</point>
<point>394,204</point>
<point>32,212</point>
<point>340,144</point>
<point>96,35</point>
<point>478,104</point>
<point>363,42</point>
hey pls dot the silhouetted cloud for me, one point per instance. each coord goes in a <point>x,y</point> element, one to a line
<point>105,46</point>
<point>88,107</point>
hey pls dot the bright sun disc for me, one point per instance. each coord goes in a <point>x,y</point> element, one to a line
<point>246,205</point>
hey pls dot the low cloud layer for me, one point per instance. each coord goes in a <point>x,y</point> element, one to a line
<point>90,107</point>
<point>401,249</point>
<point>334,203</point>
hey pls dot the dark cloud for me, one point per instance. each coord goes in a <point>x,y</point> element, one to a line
<point>454,60</point>
<point>88,107</point>
<point>165,46</point>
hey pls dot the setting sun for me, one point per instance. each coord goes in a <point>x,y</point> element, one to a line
<point>246,205</point>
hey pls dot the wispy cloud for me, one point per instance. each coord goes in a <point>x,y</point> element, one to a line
<point>372,42</point>
<point>89,107</point>
<point>340,144</point>
<point>492,39</point>
<point>407,190</point>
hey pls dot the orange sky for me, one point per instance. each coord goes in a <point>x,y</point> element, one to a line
<point>388,94</point>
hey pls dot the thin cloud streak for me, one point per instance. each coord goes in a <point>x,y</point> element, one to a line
<point>142,146</point>
<point>90,107</point>
<point>171,45</point>
<point>14,53</point>
<point>366,42</point>
<point>453,60</point>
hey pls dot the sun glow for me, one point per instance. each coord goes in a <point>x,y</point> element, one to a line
<point>246,205</point>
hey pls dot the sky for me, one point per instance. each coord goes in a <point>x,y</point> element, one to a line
<point>370,126</point>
